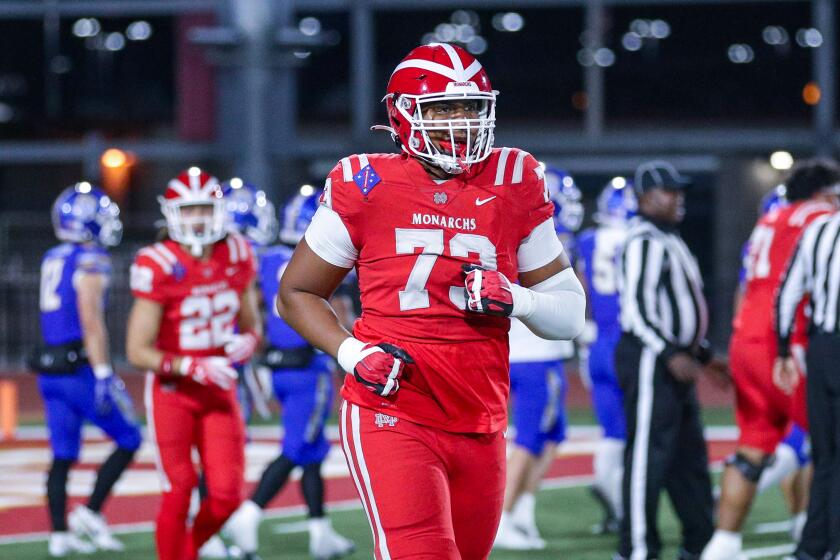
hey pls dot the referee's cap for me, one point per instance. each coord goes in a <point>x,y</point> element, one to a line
<point>659,174</point>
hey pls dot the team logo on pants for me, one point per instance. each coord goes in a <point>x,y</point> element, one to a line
<point>383,420</point>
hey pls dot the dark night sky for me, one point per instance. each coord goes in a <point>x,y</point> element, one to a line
<point>683,79</point>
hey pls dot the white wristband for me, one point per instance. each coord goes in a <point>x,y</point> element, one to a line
<point>523,301</point>
<point>349,353</point>
<point>184,365</point>
<point>103,371</point>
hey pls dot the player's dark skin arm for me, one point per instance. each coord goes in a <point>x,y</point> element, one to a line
<point>309,281</point>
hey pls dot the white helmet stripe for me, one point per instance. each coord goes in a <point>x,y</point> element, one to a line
<point>209,186</point>
<point>428,65</point>
<point>195,181</point>
<point>471,71</point>
<point>180,188</point>
<point>453,57</point>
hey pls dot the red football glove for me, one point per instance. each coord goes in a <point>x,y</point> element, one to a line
<point>378,367</point>
<point>487,291</point>
<point>240,347</point>
<point>215,370</point>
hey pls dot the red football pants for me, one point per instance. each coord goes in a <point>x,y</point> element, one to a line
<point>763,412</point>
<point>184,415</point>
<point>428,494</point>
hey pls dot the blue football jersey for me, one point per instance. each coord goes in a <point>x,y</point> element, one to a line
<point>272,263</point>
<point>598,249</point>
<point>59,268</point>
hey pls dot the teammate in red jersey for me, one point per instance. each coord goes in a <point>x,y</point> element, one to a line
<point>195,316</point>
<point>439,235</point>
<point>763,412</point>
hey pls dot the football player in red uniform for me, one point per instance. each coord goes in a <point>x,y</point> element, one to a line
<point>764,412</point>
<point>195,315</point>
<point>449,238</point>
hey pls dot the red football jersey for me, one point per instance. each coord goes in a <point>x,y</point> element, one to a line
<point>771,246</point>
<point>413,235</point>
<point>200,298</point>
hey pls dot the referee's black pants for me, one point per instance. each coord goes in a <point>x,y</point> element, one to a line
<point>665,450</point>
<point>822,531</point>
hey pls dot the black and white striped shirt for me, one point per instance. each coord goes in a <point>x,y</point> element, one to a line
<point>814,269</point>
<point>661,289</point>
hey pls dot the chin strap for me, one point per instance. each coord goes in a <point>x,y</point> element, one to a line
<point>385,128</point>
<point>197,249</point>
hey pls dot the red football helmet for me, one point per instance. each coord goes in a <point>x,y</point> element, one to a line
<point>191,189</point>
<point>434,73</point>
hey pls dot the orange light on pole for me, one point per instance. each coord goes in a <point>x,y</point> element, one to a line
<point>113,158</point>
<point>811,93</point>
<point>116,166</point>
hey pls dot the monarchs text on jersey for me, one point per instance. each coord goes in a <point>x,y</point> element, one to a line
<point>200,297</point>
<point>408,237</point>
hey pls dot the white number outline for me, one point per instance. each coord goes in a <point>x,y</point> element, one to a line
<point>758,260</point>
<point>51,273</point>
<point>415,295</point>
<point>207,320</point>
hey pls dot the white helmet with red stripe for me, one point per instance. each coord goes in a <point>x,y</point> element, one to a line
<point>436,73</point>
<point>194,209</point>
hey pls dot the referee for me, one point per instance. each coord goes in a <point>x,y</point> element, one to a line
<point>815,270</point>
<point>662,352</point>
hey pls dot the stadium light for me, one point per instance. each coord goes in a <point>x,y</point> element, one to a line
<point>113,158</point>
<point>781,160</point>
<point>811,93</point>
<point>619,182</point>
<point>307,190</point>
<point>236,183</point>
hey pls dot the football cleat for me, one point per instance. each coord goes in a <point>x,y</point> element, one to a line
<point>242,527</point>
<point>724,545</point>
<point>214,548</point>
<point>610,524</point>
<point>63,543</point>
<point>325,543</point>
<point>508,537</point>
<point>86,522</point>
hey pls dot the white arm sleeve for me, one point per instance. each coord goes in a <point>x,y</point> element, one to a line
<point>328,237</point>
<point>539,248</point>
<point>554,309</point>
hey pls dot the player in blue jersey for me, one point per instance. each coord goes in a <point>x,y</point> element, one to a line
<point>301,377</point>
<point>538,391</point>
<point>598,247</point>
<point>75,376</point>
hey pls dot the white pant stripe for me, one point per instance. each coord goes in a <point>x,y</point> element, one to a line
<point>638,475</point>
<point>345,438</point>
<point>360,457</point>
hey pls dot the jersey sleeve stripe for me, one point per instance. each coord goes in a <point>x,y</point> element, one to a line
<point>518,167</point>
<point>326,198</point>
<point>180,188</point>
<point>243,246</point>
<point>167,254</point>
<point>363,161</point>
<point>346,170</point>
<point>233,250</point>
<point>500,166</point>
<point>151,253</point>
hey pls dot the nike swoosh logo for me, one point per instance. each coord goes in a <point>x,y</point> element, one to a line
<point>479,202</point>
